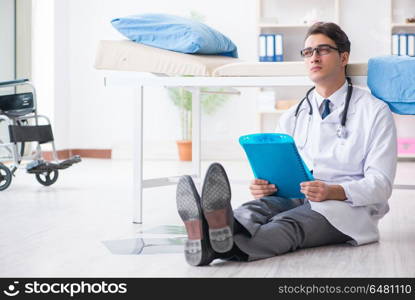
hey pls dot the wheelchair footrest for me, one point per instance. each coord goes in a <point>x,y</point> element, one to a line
<point>69,162</point>
<point>40,166</point>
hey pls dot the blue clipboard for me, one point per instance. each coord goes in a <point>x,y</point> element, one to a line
<point>274,157</point>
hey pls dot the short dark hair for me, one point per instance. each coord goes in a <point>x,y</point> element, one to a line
<point>334,32</point>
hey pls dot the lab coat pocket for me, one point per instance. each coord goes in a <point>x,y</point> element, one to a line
<point>349,153</point>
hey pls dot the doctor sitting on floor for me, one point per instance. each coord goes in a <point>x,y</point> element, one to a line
<point>344,134</point>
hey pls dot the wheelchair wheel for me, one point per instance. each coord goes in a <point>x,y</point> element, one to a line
<point>48,177</point>
<point>5,177</point>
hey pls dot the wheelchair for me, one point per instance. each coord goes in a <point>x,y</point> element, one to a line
<point>19,112</point>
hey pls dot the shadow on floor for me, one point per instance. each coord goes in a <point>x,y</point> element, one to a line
<point>150,245</point>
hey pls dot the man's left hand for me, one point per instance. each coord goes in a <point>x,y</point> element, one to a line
<point>315,190</point>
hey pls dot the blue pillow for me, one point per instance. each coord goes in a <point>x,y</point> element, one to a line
<point>391,78</point>
<point>174,33</point>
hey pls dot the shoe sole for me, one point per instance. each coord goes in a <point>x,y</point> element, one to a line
<point>196,250</point>
<point>216,199</point>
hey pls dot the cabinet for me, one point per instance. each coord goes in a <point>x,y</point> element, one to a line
<point>369,25</point>
<point>401,10</point>
<point>402,25</point>
<point>7,40</point>
<point>291,19</point>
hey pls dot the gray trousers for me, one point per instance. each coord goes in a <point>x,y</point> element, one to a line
<point>273,226</point>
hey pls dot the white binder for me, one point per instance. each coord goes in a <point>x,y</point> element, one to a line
<point>411,44</point>
<point>270,47</point>
<point>262,47</point>
<point>278,47</point>
<point>403,44</point>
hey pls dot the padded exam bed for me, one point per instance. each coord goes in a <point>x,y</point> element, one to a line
<point>125,55</point>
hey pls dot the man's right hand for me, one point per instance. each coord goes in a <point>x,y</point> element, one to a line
<point>261,188</point>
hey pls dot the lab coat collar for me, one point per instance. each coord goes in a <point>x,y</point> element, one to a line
<point>337,99</point>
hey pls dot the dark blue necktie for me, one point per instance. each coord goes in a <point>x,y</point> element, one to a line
<point>326,108</point>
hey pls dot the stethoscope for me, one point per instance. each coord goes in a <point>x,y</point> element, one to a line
<point>341,131</point>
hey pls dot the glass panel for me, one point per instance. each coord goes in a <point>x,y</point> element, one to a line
<point>162,239</point>
<point>7,40</point>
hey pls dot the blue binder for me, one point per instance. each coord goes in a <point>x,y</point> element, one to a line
<point>395,44</point>
<point>275,158</point>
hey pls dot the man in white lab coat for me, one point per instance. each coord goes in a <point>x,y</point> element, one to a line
<point>354,170</point>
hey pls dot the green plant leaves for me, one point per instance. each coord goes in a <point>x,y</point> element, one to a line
<point>210,101</point>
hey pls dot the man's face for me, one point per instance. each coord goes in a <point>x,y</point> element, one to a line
<point>328,67</point>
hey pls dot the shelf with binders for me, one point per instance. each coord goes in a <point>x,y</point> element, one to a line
<point>282,43</point>
<point>402,28</point>
<point>273,19</point>
<point>271,47</point>
<point>403,44</point>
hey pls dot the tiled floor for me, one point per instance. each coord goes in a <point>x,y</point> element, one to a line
<point>72,227</point>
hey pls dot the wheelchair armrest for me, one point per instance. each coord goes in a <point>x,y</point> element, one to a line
<point>13,82</point>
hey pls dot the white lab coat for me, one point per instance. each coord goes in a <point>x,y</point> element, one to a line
<point>364,163</point>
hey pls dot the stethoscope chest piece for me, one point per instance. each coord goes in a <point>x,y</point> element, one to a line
<point>341,132</point>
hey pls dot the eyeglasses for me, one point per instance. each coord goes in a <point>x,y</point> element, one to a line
<point>320,50</point>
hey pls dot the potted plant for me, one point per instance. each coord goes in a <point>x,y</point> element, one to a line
<point>210,102</point>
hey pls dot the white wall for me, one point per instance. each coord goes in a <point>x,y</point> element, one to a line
<point>7,56</point>
<point>43,48</point>
<point>62,69</point>
<point>24,39</point>
<point>367,24</point>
